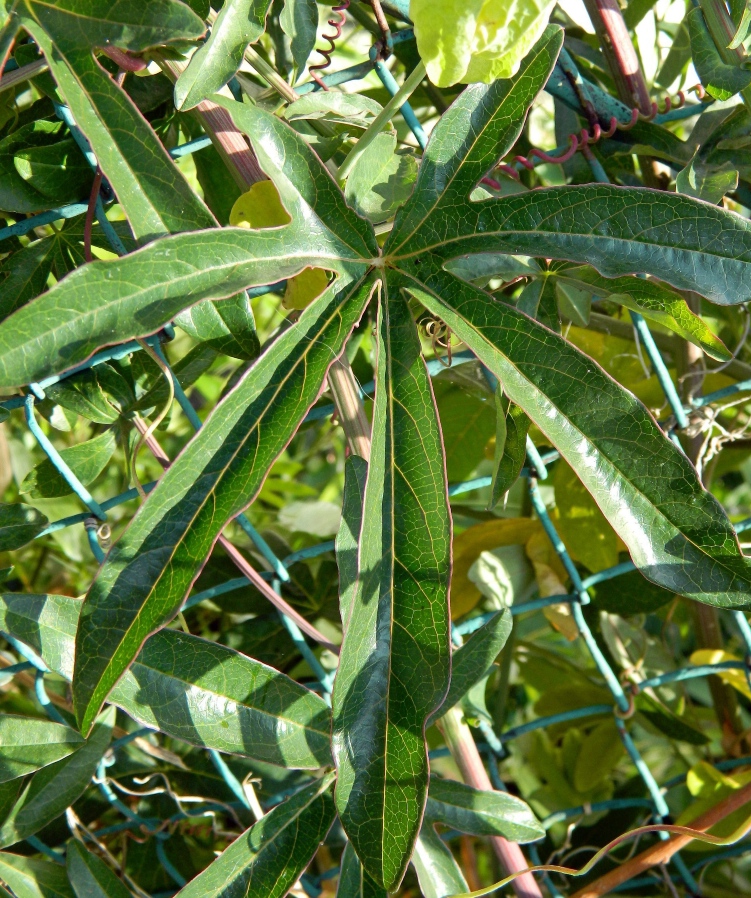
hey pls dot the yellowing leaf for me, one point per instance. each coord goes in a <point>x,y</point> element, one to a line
<point>476,40</point>
<point>709,787</point>
<point>303,288</point>
<point>259,207</point>
<point>583,527</point>
<point>470,544</point>
<point>735,678</point>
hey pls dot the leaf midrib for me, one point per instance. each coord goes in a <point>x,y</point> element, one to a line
<point>299,360</point>
<point>624,479</point>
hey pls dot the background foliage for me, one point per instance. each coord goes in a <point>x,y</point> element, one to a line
<point>402,463</point>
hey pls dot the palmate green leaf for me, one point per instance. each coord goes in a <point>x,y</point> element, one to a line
<point>354,881</point>
<point>394,665</point>
<point>19,524</point>
<point>136,295</point>
<point>31,877</point>
<point>653,300</point>
<point>677,533</point>
<point>438,873</point>
<point>189,688</point>
<point>153,193</point>
<point>240,22</point>
<point>348,537</point>
<point>27,744</point>
<point>53,789</point>
<point>471,662</point>
<point>149,571</point>
<point>267,859</point>
<point>86,460</point>
<point>90,876</point>
<point>474,132</point>
<point>481,813</point>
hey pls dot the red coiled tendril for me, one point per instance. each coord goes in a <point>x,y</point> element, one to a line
<point>337,24</point>
<point>586,138</point>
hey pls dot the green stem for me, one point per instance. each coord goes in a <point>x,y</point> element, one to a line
<point>405,91</point>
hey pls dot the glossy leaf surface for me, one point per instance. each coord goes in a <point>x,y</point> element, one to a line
<point>239,23</point>
<point>28,743</point>
<point>90,876</point>
<point>354,881</point>
<point>677,533</point>
<point>471,662</point>
<point>53,789</point>
<point>192,689</point>
<point>150,569</point>
<point>31,877</point>
<point>155,196</point>
<point>266,860</point>
<point>19,524</point>
<point>382,696</point>
<point>481,813</point>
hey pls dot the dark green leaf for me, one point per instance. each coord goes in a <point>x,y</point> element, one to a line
<point>28,743</point>
<point>685,242</point>
<point>19,193</point>
<point>267,859</point>
<point>55,788</point>
<point>472,135</point>
<point>467,424</point>
<point>673,727</point>
<point>90,876</point>
<point>100,394</point>
<point>383,696</point>
<point>152,191</point>
<point>511,451</point>
<point>215,697</point>
<point>227,326</point>
<point>347,539</point>
<point>33,878</point>
<point>677,533</point>
<point>192,689</point>
<point>354,882</point>
<point>631,593</point>
<point>481,813</point>
<point>86,460</point>
<point>19,524</point>
<point>707,182</point>
<point>240,22</point>
<point>438,873</point>
<point>653,300</point>
<point>299,21</point>
<point>24,274</point>
<point>57,170</point>
<point>187,371</point>
<point>182,517</point>
<point>721,80</point>
<point>472,661</point>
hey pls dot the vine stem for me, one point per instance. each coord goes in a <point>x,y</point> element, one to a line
<point>229,141</point>
<point>464,751</point>
<point>663,851</point>
<point>237,558</point>
<point>349,407</point>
